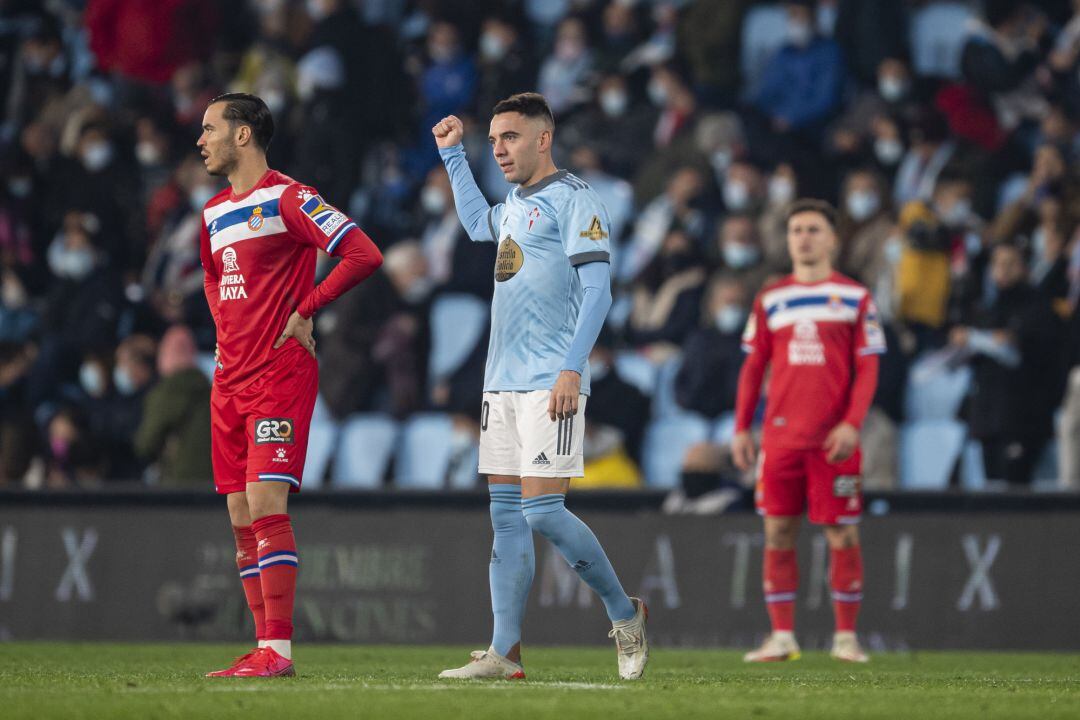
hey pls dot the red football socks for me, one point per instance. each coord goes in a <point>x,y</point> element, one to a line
<point>846,580</point>
<point>277,565</point>
<point>247,561</point>
<point>781,584</point>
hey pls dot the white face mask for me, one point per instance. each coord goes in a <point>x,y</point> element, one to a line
<point>275,100</point>
<point>781,190</point>
<point>658,93</point>
<point>892,88</point>
<point>96,156</point>
<point>147,153</point>
<point>598,369</point>
<point>70,264</point>
<point>123,381</point>
<point>799,33</point>
<point>738,256</point>
<point>861,204</point>
<point>418,291</point>
<point>720,159</point>
<point>958,214</point>
<point>433,200</point>
<point>614,102</point>
<point>894,248</point>
<point>1038,242</point>
<point>729,319</point>
<point>736,195</point>
<point>200,196</point>
<point>888,150</point>
<point>492,47</point>
<point>92,379</point>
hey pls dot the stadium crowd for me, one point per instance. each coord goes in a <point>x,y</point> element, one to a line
<point>946,133</point>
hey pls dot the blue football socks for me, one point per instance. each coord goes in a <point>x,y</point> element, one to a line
<point>578,545</point>
<point>512,566</point>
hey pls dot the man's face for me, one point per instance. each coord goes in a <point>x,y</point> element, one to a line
<point>810,238</point>
<point>516,142</point>
<point>217,144</point>
<point>1006,267</point>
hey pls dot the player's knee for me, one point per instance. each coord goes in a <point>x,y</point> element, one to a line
<point>505,518</point>
<point>544,517</point>
<point>841,537</point>
<point>781,533</point>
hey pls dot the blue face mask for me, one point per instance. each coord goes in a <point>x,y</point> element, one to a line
<point>125,385</point>
<point>598,369</point>
<point>729,319</point>
<point>92,380</point>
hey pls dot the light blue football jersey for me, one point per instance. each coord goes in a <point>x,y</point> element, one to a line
<point>543,231</point>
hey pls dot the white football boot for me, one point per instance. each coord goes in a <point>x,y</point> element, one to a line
<point>777,647</point>
<point>485,665</point>
<point>845,647</point>
<point>631,643</point>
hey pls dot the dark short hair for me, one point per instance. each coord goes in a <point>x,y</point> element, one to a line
<point>529,104</point>
<point>250,110</point>
<point>821,207</point>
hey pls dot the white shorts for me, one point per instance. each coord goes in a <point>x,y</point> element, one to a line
<point>517,437</point>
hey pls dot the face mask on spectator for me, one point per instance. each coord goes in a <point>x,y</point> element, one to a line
<point>492,46</point>
<point>781,190</point>
<point>147,153</point>
<point>729,319</point>
<point>861,204</point>
<point>892,88</point>
<point>799,33</point>
<point>598,369</point>
<point>614,102</point>
<point>888,150</point>
<point>1038,243</point>
<point>20,187</point>
<point>97,155</point>
<point>418,291</point>
<point>736,195</point>
<point>275,100</point>
<point>720,159</point>
<point>66,263</point>
<point>958,214</point>
<point>123,381</point>
<point>199,196</point>
<point>433,200</point>
<point>658,93</point>
<point>894,248</point>
<point>92,379</point>
<point>739,256</point>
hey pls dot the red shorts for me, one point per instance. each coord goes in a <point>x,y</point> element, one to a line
<point>260,433</point>
<point>790,478</point>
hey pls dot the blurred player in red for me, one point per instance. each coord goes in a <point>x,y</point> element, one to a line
<point>260,240</point>
<point>818,333</point>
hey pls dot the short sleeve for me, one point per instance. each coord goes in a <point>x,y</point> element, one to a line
<point>494,219</point>
<point>756,337</point>
<point>313,220</point>
<point>585,228</point>
<point>870,337</point>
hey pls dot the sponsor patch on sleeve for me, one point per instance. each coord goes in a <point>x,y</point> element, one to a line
<point>326,217</point>
<point>595,231</point>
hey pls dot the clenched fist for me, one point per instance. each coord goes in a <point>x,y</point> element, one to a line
<point>448,132</point>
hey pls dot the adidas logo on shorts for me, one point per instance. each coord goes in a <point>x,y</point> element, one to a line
<point>541,459</point>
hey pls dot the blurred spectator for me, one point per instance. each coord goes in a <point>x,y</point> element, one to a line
<point>614,402</point>
<point>922,274</point>
<point>505,65</point>
<point>929,151</point>
<point>670,94</point>
<point>708,40</point>
<point>667,298</point>
<point>619,34</point>
<point>73,459</point>
<point>621,153</point>
<point>174,432</point>
<point>564,74</point>
<point>738,250</point>
<point>869,31</point>
<point>712,357</point>
<point>455,263</point>
<point>149,41</point>
<point>17,438</point>
<point>675,208</point>
<point>1010,340</point>
<point>1068,431</point>
<point>616,194</point>
<point>867,226</point>
<point>114,419</point>
<point>447,85</point>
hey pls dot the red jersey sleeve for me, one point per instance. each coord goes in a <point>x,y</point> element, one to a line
<point>210,274</point>
<point>313,221</point>
<point>869,343</point>
<point>869,337</point>
<point>757,344</point>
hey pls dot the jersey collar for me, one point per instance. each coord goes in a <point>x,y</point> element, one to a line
<point>539,185</point>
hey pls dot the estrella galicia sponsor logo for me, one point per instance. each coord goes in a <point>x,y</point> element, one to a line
<point>274,430</point>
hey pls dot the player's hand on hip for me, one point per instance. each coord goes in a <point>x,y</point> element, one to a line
<point>448,131</point>
<point>563,402</point>
<point>841,442</point>
<point>743,450</point>
<point>300,328</point>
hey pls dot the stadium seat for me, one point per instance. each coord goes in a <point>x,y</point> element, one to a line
<point>723,429</point>
<point>933,391</point>
<point>665,445</point>
<point>365,445</point>
<point>764,30</point>
<point>458,322</point>
<point>635,368</point>
<point>936,36</point>
<point>929,450</point>
<point>322,439</point>
<point>423,458</point>
<point>972,470</point>
<point>664,404</point>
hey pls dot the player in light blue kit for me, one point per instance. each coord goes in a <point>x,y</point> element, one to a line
<point>552,294</point>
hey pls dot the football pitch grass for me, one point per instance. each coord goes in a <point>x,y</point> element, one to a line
<point>49,680</point>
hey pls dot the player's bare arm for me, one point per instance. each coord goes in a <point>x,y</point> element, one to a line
<point>448,131</point>
<point>743,450</point>
<point>298,327</point>
<point>564,396</point>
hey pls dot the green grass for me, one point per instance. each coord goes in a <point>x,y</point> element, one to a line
<point>39,680</point>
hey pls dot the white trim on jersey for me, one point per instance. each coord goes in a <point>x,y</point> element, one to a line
<point>792,292</point>
<point>259,196</point>
<point>817,313</point>
<point>241,231</point>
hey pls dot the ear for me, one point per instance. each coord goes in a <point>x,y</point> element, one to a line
<point>544,140</point>
<point>243,135</point>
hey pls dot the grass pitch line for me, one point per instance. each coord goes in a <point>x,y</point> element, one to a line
<point>227,686</point>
